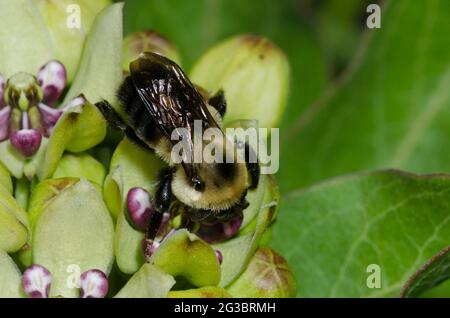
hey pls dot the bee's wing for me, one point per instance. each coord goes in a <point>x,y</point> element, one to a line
<point>170,98</point>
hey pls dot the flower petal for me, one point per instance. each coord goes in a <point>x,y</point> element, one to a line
<point>58,16</point>
<point>10,277</point>
<point>49,117</point>
<point>184,254</point>
<point>79,100</point>
<point>52,78</point>
<point>237,251</point>
<point>93,284</point>
<point>148,282</point>
<point>36,281</point>
<point>74,232</point>
<point>130,167</point>
<point>5,114</point>
<point>26,44</point>
<point>80,127</point>
<point>26,141</point>
<point>99,74</point>
<point>81,166</point>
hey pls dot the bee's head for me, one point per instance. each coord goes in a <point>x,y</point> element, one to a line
<point>216,185</point>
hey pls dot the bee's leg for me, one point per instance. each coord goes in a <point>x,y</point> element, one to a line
<point>218,102</point>
<point>114,120</point>
<point>251,161</point>
<point>163,199</point>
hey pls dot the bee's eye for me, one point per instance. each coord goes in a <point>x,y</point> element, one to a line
<point>197,184</point>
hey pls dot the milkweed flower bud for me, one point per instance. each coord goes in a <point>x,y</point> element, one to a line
<point>140,209</point>
<point>147,41</point>
<point>93,284</point>
<point>267,276</point>
<point>254,74</point>
<point>36,281</point>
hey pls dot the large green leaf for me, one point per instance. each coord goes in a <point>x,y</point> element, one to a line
<point>431,274</point>
<point>391,112</point>
<point>331,232</point>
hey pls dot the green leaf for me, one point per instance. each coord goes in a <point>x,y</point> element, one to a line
<point>10,278</point>
<point>75,229</point>
<point>79,128</point>
<point>130,167</point>
<point>431,274</point>
<point>100,70</point>
<point>183,254</point>
<point>389,109</point>
<point>26,44</point>
<point>148,282</point>
<point>331,232</point>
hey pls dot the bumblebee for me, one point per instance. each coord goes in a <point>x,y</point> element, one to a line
<point>159,99</point>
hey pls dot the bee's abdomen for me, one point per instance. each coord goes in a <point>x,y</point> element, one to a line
<point>138,117</point>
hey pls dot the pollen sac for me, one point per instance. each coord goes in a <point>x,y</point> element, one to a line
<point>140,208</point>
<point>36,281</point>
<point>93,284</point>
<point>266,276</point>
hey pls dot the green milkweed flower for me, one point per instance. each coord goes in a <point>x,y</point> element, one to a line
<point>77,223</point>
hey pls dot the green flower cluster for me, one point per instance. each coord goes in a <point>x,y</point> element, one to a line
<point>65,182</point>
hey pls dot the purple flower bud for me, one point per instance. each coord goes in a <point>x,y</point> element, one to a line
<point>93,284</point>
<point>52,78</point>
<point>5,114</point>
<point>36,281</point>
<point>219,256</point>
<point>140,208</point>
<point>26,141</point>
<point>220,231</point>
